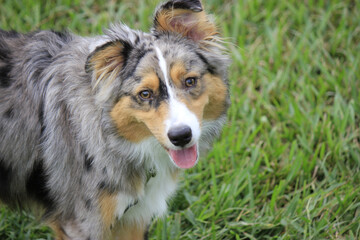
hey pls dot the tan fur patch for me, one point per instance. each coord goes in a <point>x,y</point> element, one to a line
<point>129,231</point>
<point>154,120</point>
<point>107,62</point>
<point>177,74</point>
<point>107,208</point>
<point>136,124</point>
<point>149,81</point>
<point>58,231</point>
<point>127,124</point>
<point>194,25</point>
<point>217,92</point>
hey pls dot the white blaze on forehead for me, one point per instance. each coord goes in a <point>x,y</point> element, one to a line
<point>163,67</point>
<point>179,113</point>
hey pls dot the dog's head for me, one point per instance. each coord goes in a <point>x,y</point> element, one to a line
<point>170,84</point>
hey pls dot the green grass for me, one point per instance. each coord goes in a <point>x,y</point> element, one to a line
<point>288,163</point>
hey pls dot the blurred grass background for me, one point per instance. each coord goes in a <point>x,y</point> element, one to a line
<point>287,164</point>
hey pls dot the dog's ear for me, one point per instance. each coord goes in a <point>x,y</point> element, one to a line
<point>185,17</point>
<point>106,61</point>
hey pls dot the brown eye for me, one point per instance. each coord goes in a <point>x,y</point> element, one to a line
<point>145,95</point>
<point>190,82</point>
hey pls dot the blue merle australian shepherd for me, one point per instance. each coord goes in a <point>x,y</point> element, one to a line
<point>94,131</point>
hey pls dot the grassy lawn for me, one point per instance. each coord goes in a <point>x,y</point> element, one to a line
<point>288,163</point>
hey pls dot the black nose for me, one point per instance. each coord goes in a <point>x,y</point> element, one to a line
<point>180,136</point>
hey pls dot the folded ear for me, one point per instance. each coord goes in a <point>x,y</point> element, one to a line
<point>185,17</point>
<point>106,61</point>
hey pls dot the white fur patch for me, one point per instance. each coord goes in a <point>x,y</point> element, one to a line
<point>152,201</point>
<point>123,202</point>
<point>179,113</point>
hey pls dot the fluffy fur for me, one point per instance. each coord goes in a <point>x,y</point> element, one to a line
<point>94,131</point>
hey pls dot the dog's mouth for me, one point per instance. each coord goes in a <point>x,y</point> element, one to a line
<point>184,158</point>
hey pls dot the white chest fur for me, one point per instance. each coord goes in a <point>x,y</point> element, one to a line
<point>152,201</point>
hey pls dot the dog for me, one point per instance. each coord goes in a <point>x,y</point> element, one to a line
<point>94,131</point>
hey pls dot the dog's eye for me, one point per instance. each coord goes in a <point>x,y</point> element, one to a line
<point>145,95</point>
<point>190,82</point>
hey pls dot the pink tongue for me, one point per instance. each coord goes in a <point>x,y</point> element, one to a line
<point>184,158</point>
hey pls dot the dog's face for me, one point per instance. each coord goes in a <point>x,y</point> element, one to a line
<point>168,83</point>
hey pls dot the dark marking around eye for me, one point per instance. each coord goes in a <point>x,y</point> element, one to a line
<point>163,93</point>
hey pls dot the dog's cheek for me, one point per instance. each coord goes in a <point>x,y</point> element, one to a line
<point>136,125</point>
<point>154,121</point>
<point>126,122</point>
<point>217,91</point>
<point>196,106</point>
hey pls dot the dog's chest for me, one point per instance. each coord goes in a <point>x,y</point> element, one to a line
<point>152,202</point>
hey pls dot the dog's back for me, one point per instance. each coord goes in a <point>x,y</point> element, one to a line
<point>23,59</point>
